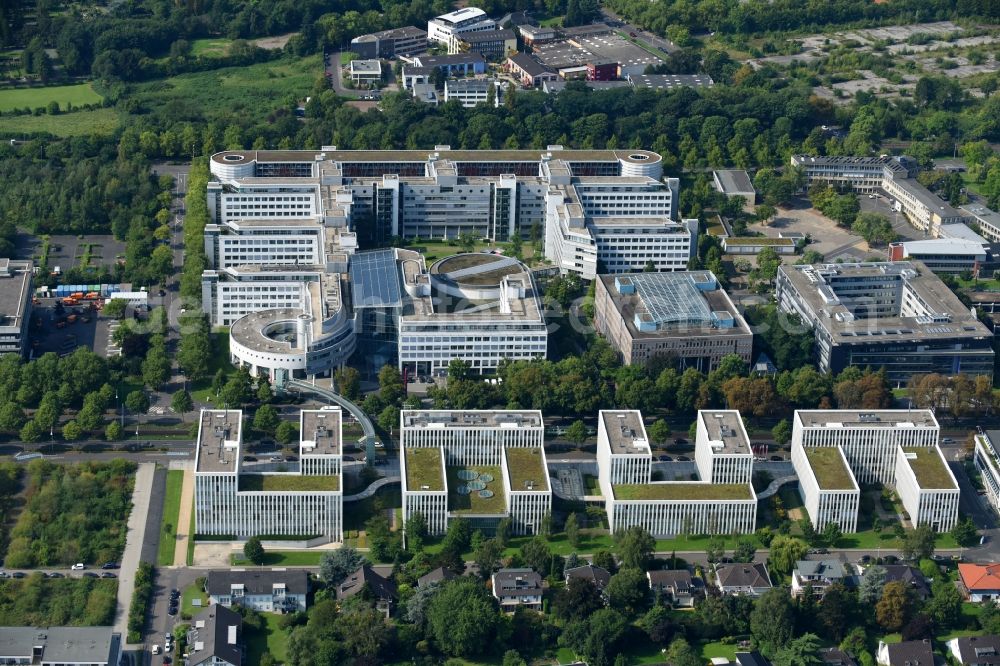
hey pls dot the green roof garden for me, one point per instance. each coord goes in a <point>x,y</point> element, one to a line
<point>683,491</point>
<point>828,466</point>
<point>526,469</point>
<point>288,483</point>
<point>473,502</point>
<point>928,467</point>
<point>424,469</point>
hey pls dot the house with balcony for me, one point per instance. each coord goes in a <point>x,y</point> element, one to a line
<point>515,588</point>
<point>266,590</point>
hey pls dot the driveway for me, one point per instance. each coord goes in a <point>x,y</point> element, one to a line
<point>133,544</point>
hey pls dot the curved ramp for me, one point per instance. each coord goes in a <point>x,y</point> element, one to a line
<point>775,485</point>
<point>372,489</point>
<point>337,399</point>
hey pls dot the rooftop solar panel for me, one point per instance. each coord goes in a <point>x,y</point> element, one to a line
<point>375,280</point>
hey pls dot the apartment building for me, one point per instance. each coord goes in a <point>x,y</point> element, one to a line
<point>828,488</point>
<point>893,315</point>
<point>894,177</point>
<point>685,315</point>
<point>262,590</point>
<point>468,19</point>
<point>483,466</point>
<point>669,508</point>
<point>240,498</point>
<point>15,305</point>
<point>926,487</point>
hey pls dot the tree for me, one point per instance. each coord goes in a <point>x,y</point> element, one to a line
<point>336,565</point>
<point>627,590</point>
<point>785,552</point>
<point>715,550</point>
<point>577,432</point>
<point>945,605</point>
<point>115,308</point>
<point>965,533</point>
<point>348,382</point>
<point>416,531</point>
<point>463,618</point>
<point>388,419</point>
<point>572,530</point>
<point>874,228</point>
<point>831,534</point>
<point>606,560</point>
<point>254,551</point>
<point>801,651</point>
<point>266,419</point>
<point>837,611</point>
<point>782,432</point>
<point>764,213</point>
<point>71,430</point>
<point>680,653</point>
<point>597,636</point>
<point>893,610</point>
<point>181,403</point>
<point>113,431</point>
<point>487,557</point>
<point>660,431</point>
<point>918,543</point>
<point>772,622</point>
<point>635,547</point>
<point>745,550</point>
<point>286,433</point>
<point>218,381</point>
<point>577,600</point>
<point>137,402</point>
<point>390,383</point>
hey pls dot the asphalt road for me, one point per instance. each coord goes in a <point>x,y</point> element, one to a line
<point>655,41</point>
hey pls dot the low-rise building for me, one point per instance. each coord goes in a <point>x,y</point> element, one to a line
<point>528,70</point>
<point>493,45</point>
<point>443,28</point>
<point>815,576</point>
<point>907,653</point>
<point>534,34</point>
<point>677,586</point>
<point>597,45</point>
<point>264,590</point>
<point>756,244</point>
<point>988,463</point>
<point>214,638</point>
<point>436,576</point>
<point>516,588</point>
<point>60,646</point>
<point>749,579</point>
<point>392,43</point>
<point>942,255</point>
<point>981,581</point>
<point>975,650</point>
<point>926,487</point>
<point>735,183</point>
<point>365,72</point>
<point>669,81</point>
<point>828,488</point>
<point>986,219</point>
<point>912,577</point>
<point>470,92</point>
<point>685,315</point>
<point>15,305</point>
<point>454,64</point>
<point>381,588</point>
<point>596,576</point>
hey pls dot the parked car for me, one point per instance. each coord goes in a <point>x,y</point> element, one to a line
<point>156,649</point>
<point>777,458</point>
<point>680,440</point>
<point>683,459</point>
<point>109,565</point>
<point>276,459</point>
<point>665,458</point>
<point>79,566</point>
<point>89,574</point>
<point>109,574</point>
<point>54,574</point>
<point>17,574</point>
<point>249,459</point>
<point>865,559</point>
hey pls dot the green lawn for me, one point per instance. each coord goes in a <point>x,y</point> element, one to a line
<point>202,389</point>
<point>188,595</point>
<point>711,650</point>
<point>565,656</point>
<point>439,249</point>
<point>32,98</point>
<point>78,123</point>
<point>171,512</point>
<point>272,638</point>
<point>210,47</point>
<point>293,558</point>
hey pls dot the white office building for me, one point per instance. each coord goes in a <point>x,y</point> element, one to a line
<point>669,508</point>
<point>926,487</point>
<point>828,488</point>
<point>988,463</point>
<point>467,19</point>
<point>722,447</point>
<point>869,438</point>
<point>483,466</point>
<point>15,305</point>
<point>470,92</point>
<point>240,499</point>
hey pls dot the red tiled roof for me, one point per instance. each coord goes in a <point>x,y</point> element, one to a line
<point>980,576</point>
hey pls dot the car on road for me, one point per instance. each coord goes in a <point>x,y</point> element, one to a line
<point>109,565</point>
<point>167,660</point>
<point>155,649</point>
<point>277,459</point>
<point>79,566</point>
<point>54,574</point>
<point>865,559</point>
<point>890,559</point>
<point>172,611</point>
<point>947,440</point>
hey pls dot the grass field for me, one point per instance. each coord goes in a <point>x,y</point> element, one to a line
<point>78,123</point>
<point>252,91</point>
<point>210,47</point>
<point>171,512</point>
<point>188,595</point>
<point>271,639</point>
<point>32,98</point>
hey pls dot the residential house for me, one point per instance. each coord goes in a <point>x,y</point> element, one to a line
<point>975,650</point>
<point>439,575</point>
<point>832,656</point>
<point>909,575</point>
<point>267,590</point>
<point>517,587</point>
<point>214,638</point>
<point>382,589</point>
<point>752,658</point>
<point>738,578</point>
<point>981,581</point>
<point>597,576</point>
<point>907,653</point>
<point>677,585</point>
<point>818,575</point>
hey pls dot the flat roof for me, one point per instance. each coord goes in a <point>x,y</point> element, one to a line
<point>829,468</point>
<point>526,468</point>
<point>725,432</point>
<point>626,434</point>
<point>983,214</point>
<point>472,500</point>
<point>832,296</point>
<point>581,50</point>
<point>289,483</point>
<point>871,418</point>
<point>320,432</point>
<point>944,246</point>
<point>219,438</point>
<point>683,491</point>
<point>70,645</point>
<point>929,468</point>
<point>15,287</point>
<point>446,418</point>
<point>237,157</point>
<point>424,468</point>
<point>734,180</point>
<point>375,280</point>
<point>463,14</point>
<point>669,81</point>
<point>366,66</point>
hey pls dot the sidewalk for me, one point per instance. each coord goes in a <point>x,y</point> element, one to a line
<point>184,518</point>
<point>133,544</point>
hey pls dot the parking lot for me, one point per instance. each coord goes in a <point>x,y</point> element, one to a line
<point>68,251</point>
<point>827,238</point>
